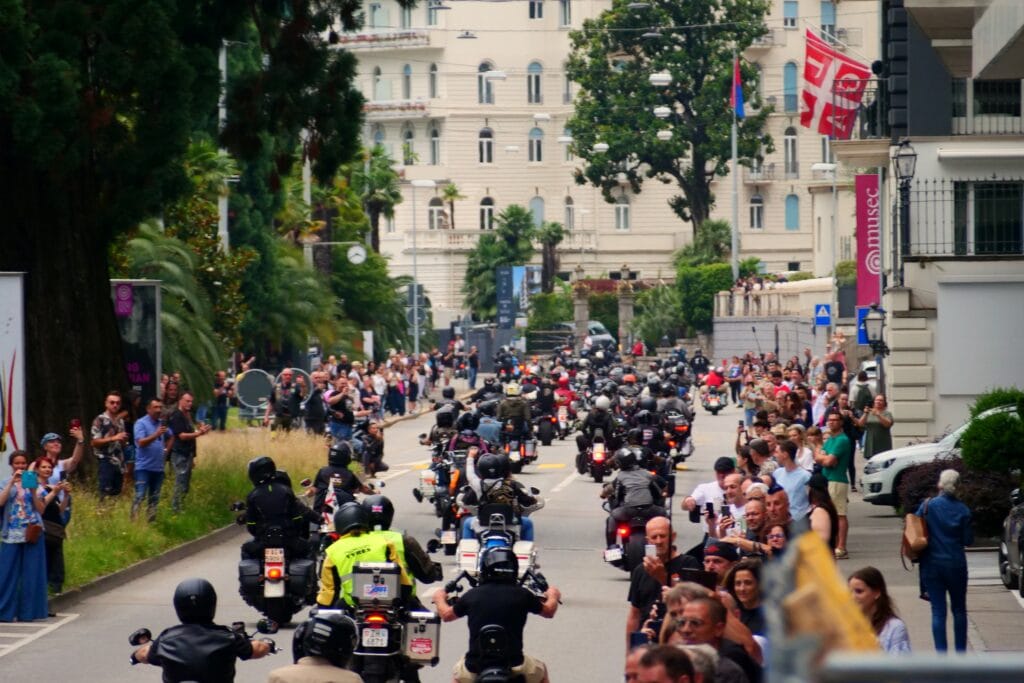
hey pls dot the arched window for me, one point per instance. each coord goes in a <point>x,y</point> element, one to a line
<point>487,214</point>
<point>378,135</point>
<point>485,143</point>
<point>789,86</point>
<point>406,82</point>
<point>380,89</point>
<point>432,81</point>
<point>536,144</point>
<point>570,214</point>
<point>408,145</point>
<point>789,149</point>
<point>484,88</point>
<point>537,210</point>
<point>792,212</point>
<point>622,217</point>
<point>435,214</point>
<point>756,212</point>
<point>533,90</point>
<point>435,146</point>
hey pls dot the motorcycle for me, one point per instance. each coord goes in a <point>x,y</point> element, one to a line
<point>680,444</point>
<point>451,475</point>
<point>713,401</point>
<point>520,452</point>
<point>545,425</point>
<point>626,547</point>
<point>598,460</point>
<point>501,530</point>
<point>143,636</point>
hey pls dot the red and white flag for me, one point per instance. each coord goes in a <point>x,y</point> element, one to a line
<point>833,87</point>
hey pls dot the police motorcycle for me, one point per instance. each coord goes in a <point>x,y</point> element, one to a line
<point>494,524</point>
<point>713,399</point>
<point>626,530</point>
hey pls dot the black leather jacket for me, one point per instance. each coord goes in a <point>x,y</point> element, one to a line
<point>204,653</point>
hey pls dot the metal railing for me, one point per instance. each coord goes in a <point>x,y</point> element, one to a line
<point>763,173</point>
<point>870,115</point>
<point>986,107</point>
<point>791,170</point>
<point>965,217</point>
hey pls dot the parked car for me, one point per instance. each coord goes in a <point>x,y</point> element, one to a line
<point>598,332</point>
<point>882,472</point>
<point>1011,545</point>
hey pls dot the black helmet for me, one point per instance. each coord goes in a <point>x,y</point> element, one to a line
<point>488,408</point>
<point>261,468</point>
<point>646,418</point>
<point>340,454</point>
<point>667,390</point>
<point>350,517</point>
<point>648,403</point>
<point>499,563</point>
<point>467,422</point>
<point>489,382</point>
<point>380,510</point>
<point>448,392</point>
<point>492,466</point>
<point>195,601</point>
<point>330,634</point>
<point>625,458</point>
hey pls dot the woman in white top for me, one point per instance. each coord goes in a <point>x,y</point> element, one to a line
<point>804,455</point>
<point>869,592</point>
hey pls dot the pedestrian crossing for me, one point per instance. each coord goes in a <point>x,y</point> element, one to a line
<point>14,635</point>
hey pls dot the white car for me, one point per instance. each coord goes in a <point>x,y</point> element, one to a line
<point>882,473</point>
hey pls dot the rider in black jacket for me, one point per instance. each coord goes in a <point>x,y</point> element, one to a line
<point>272,503</point>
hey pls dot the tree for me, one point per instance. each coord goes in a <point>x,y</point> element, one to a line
<point>450,193</point>
<point>711,244</point>
<point>98,101</point>
<point>379,187</point>
<point>659,314</point>
<point>550,235</point>
<point>508,244</point>
<point>611,61</point>
<point>697,287</point>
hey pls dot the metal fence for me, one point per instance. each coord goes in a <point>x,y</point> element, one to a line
<point>965,217</point>
<point>871,120</point>
<point>986,107</point>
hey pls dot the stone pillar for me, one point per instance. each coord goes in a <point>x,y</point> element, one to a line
<point>626,301</point>
<point>580,306</point>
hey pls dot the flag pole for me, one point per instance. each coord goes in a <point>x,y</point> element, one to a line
<point>735,188</point>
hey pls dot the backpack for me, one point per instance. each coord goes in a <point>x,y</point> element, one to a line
<point>501,492</point>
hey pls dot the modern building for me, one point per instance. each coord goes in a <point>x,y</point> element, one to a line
<point>954,259</point>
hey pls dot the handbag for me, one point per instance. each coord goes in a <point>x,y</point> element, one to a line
<point>33,532</point>
<point>54,530</point>
<point>915,535</point>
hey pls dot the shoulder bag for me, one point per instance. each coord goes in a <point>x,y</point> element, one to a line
<point>915,535</point>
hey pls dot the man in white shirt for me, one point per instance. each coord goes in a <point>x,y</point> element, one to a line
<point>712,491</point>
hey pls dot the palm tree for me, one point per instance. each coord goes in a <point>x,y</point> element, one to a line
<point>378,185</point>
<point>450,194</point>
<point>550,235</point>
<point>209,168</point>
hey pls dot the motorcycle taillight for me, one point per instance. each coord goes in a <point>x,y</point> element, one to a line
<point>623,530</point>
<point>376,618</point>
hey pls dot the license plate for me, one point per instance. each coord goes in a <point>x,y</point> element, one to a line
<point>515,457</point>
<point>273,555</point>
<point>375,637</point>
<point>613,554</point>
<point>563,413</point>
<point>448,537</point>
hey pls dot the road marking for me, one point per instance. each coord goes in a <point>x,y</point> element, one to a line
<point>551,466</point>
<point>413,464</point>
<point>32,632</point>
<point>390,475</point>
<point>565,482</point>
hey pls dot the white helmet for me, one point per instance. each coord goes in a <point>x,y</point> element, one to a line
<point>512,389</point>
<point>603,403</point>
<point>720,369</point>
<point>599,355</point>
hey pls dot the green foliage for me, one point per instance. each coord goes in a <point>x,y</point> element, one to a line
<point>659,313</point>
<point>604,307</point>
<point>611,61</point>
<point>846,273</point>
<point>697,287</point>
<point>987,494</point>
<point>711,244</point>
<point>750,266</point>
<point>550,235</point>
<point>993,443</point>
<point>450,194</point>
<point>379,186</point>
<point>508,244</point>
<point>800,276</point>
<point>994,398</point>
<point>547,309</point>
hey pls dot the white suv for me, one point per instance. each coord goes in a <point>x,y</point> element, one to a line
<point>882,472</point>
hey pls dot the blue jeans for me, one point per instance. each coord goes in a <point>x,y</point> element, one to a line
<point>151,481</point>
<point>748,415</point>
<point>526,525</point>
<point>181,464</point>
<point>471,372</point>
<point>339,431</point>
<point>220,417</point>
<point>110,478</point>
<point>938,580</point>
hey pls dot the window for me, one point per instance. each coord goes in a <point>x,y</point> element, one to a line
<point>826,150</point>
<point>533,92</point>
<point>406,17</point>
<point>378,16</point>
<point>536,9</point>
<point>484,88</point>
<point>536,144</point>
<point>432,12</point>
<point>378,135</point>
<point>537,211</point>
<point>622,213</point>
<point>487,214</point>
<point>406,82</point>
<point>432,81</point>
<point>828,20</point>
<point>566,90</point>
<point>570,214</point>
<point>790,10</point>
<point>988,217</point>
<point>792,212</point>
<point>1000,98</point>
<point>756,212</point>
<point>793,266</point>
<point>569,156</point>
<point>789,92</point>
<point>792,166</point>
<point>564,12</point>
<point>389,224</point>
<point>485,143</point>
<point>408,145</point>
<point>381,88</point>
<point>435,146</point>
<point>435,215</point>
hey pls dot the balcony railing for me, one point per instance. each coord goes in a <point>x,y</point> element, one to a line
<point>466,239</point>
<point>764,173</point>
<point>993,108</point>
<point>382,110</point>
<point>384,39</point>
<point>954,217</point>
<point>870,115</point>
<point>771,39</point>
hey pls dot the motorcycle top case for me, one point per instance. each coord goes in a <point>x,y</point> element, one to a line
<point>421,637</point>
<point>375,583</point>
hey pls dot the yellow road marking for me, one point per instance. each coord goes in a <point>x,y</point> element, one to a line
<point>421,466</point>
<point>551,466</point>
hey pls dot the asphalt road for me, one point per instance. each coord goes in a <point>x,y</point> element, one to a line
<point>584,642</point>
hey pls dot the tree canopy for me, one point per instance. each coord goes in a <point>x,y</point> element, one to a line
<point>509,244</point>
<point>695,42</point>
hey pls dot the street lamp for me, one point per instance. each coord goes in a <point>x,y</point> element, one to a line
<point>415,279</point>
<point>904,161</point>
<point>874,328</point>
<point>660,79</point>
<point>601,147</point>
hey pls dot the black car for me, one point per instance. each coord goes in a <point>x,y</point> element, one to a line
<point>1011,545</point>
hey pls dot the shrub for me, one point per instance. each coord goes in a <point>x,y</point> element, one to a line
<point>800,275</point>
<point>846,273</point>
<point>993,398</point>
<point>546,310</point>
<point>993,443</point>
<point>604,307</point>
<point>698,286</point>
<point>987,494</point>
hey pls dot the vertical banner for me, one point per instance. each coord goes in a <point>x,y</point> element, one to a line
<point>526,281</point>
<point>137,310</point>
<point>12,364</point>
<point>506,298</point>
<point>869,239</point>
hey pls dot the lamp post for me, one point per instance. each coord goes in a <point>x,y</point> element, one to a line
<point>415,278</point>
<point>904,161</point>
<point>874,329</point>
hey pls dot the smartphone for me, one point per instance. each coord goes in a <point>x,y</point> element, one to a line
<point>710,507</point>
<point>29,480</point>
<point>742,423</point>
<point>76,423</point>
<point>63,475</point>
<point>650,550</point>
<point>637,639</point>
<point>724,511</point>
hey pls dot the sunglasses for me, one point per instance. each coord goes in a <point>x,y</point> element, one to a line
<point>776,537</point>
<point>683,621</point>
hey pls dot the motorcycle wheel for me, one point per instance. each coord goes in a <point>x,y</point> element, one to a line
<point>581,465</point>
<point>633,553</point>
<point>279,610</point>
<point>517,467</point>
<point>598,475</point>
<point>545,432</point>
<point>714,411</point>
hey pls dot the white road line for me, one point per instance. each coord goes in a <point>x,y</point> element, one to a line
<point>390,475</point>
<point>28,637</point>
<point>565,482</point>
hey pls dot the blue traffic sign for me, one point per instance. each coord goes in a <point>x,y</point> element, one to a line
<point>862,334</point>
<point>823,314</point>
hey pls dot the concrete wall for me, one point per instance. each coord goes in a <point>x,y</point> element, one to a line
<point>788,335</point>
<point>931,91</point>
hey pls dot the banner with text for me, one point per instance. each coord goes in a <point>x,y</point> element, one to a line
<point>12,366</point>
<point>869,239</point>
<point>137,311</point>
<point>506,298</point>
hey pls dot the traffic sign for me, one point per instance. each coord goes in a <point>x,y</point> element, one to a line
<point>412,313</point>
<point>862,334</point>
<point>823,314</point>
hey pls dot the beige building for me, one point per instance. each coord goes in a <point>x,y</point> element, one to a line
<point>475,93</point>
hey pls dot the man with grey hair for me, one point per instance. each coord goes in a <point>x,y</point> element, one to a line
<point>708,667</point>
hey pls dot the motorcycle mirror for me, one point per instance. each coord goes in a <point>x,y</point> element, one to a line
<point>433,545</point>
<point>238,626</point>
<point>140,637</point>
<point>237,506</point>
<point>380,484</point>
<point>266,626</point>
<point>306,482</point>
<point>240,520</point>
<point>534,490</point>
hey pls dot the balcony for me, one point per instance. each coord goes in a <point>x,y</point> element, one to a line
<point>385,39</point>
<point>772,38</point>
<point>463,240</point>
<point>993,108</point>
<point>390,110</point>
<point>578,240</point>
<point>762,174</point>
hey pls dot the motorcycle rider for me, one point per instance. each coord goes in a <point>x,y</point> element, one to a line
<point>564,395</point>
<point>545,398</point>
<point>321,649</point>
<point>336,484</point>
<point>271,504</point>
<point>598,420</point>
<point>355,544</point>
<point>498,600</point>
<point>633,491</point>
<point>448,399</point>
<point>714,381</point>
<point>490,481</point>
<point>489,427</point>
<point>467,436</point>
<point>411,555</point>
<point>198,649</point>
<point>699,363</point>
<point>514,414</point>
<point>489,388</point>
<point>670,402</point>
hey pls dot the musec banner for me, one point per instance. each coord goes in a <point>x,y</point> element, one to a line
<point>869,239</point>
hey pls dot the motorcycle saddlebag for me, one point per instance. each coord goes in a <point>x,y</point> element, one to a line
<point>249,577</point>
<point>301,576</point>
<point>421,637</point>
